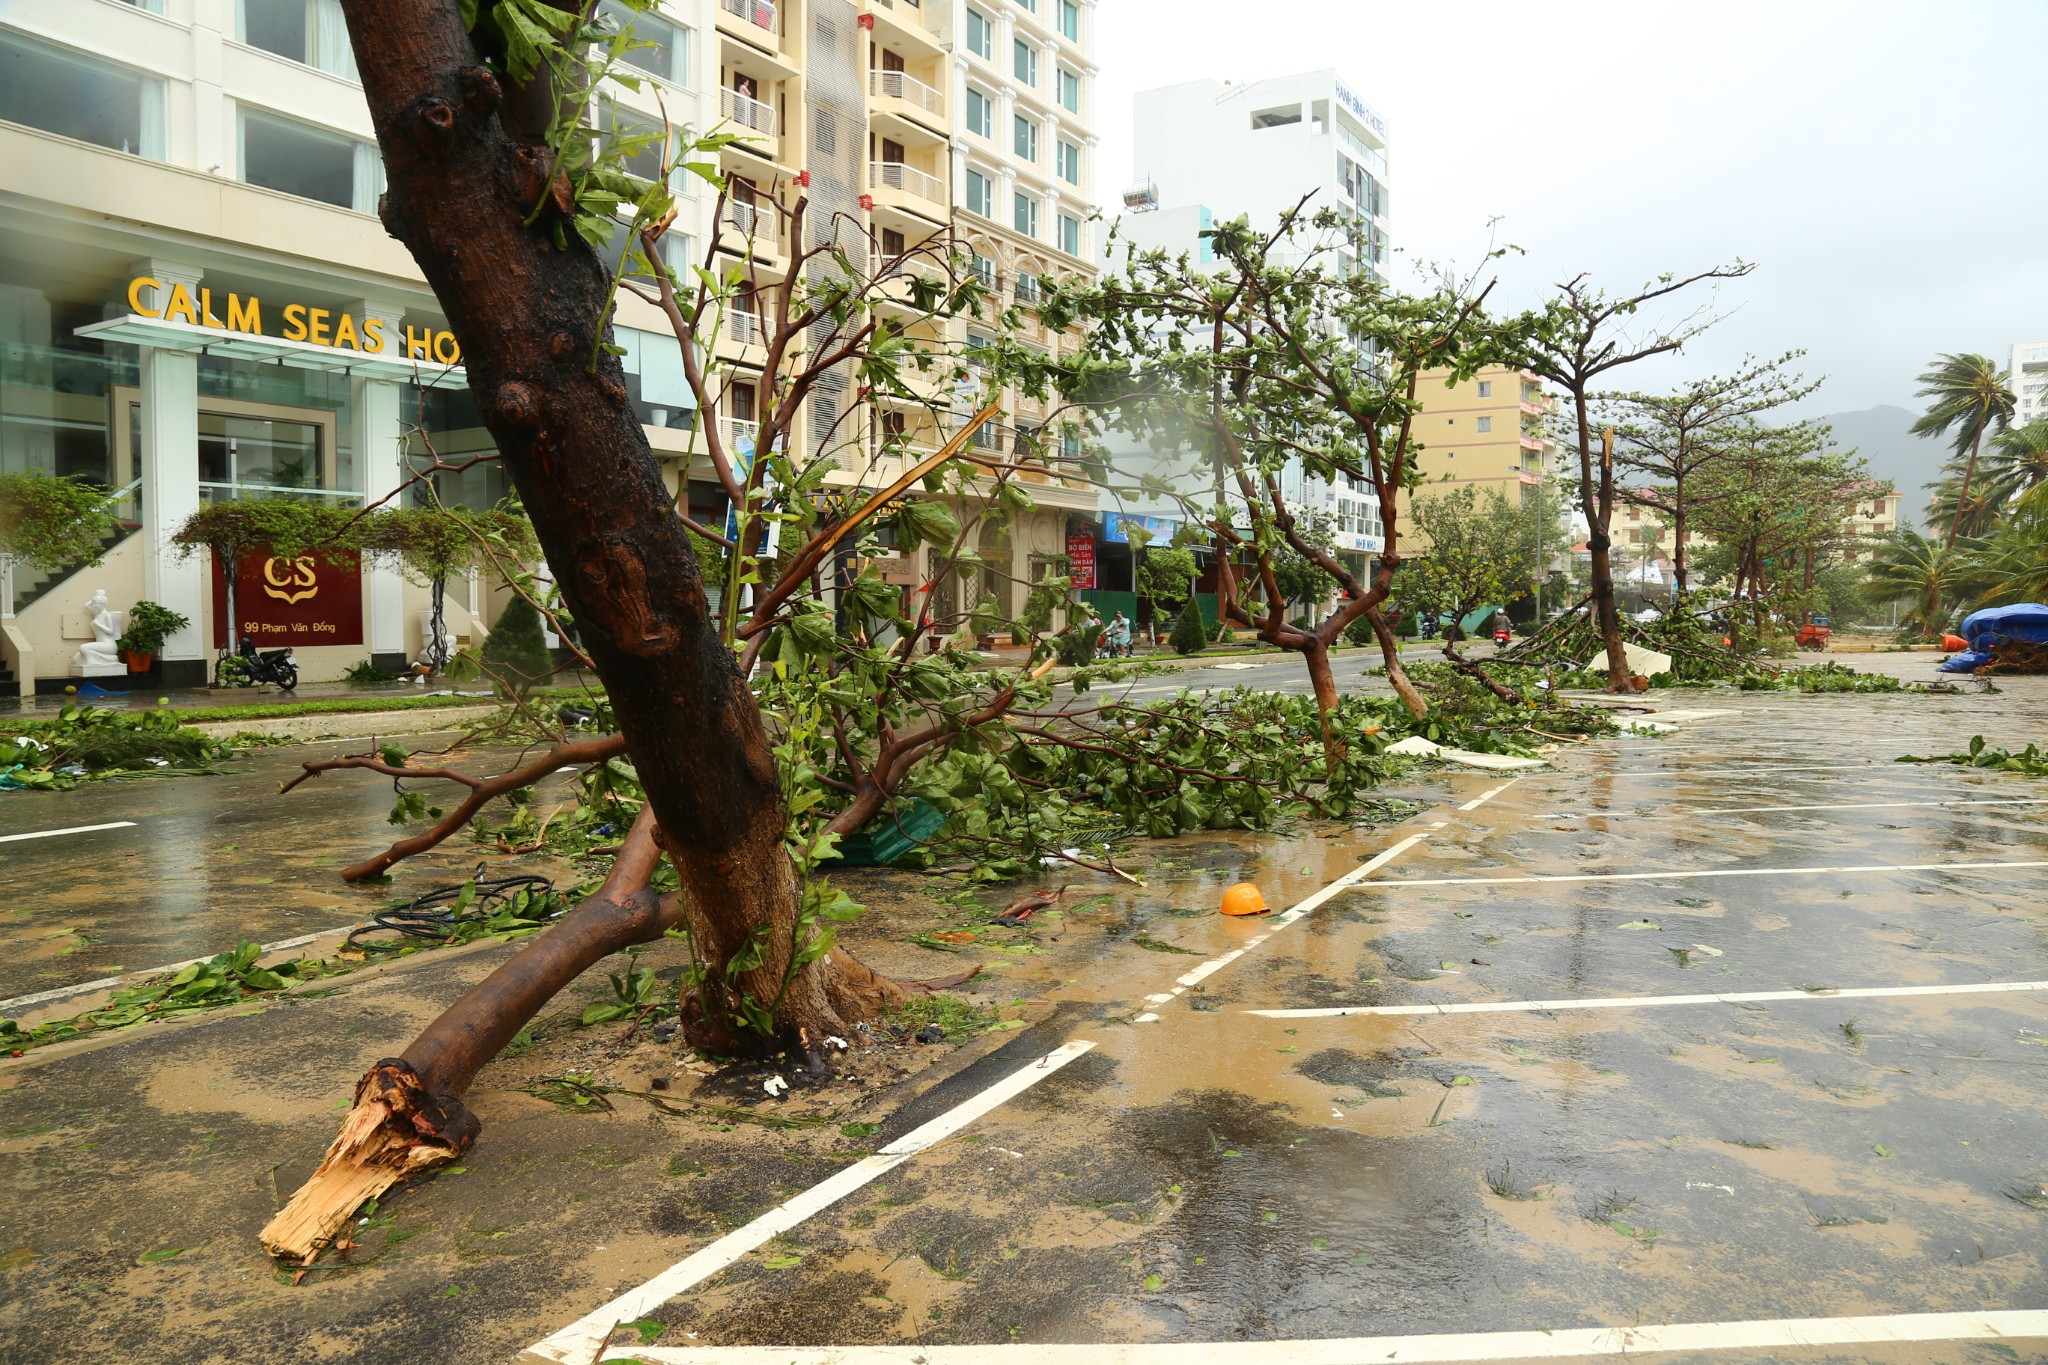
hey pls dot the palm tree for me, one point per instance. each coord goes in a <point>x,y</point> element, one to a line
<point>1946,508</point>
<point>1930,575</point>
<point>2011,564</point>
<point>1971,396</point>
<point>2016,469</point>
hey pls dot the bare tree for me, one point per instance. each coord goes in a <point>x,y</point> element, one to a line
<point>1581,336</point>
<point>1671,438</point>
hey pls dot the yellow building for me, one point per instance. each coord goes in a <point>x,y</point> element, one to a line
<point>1488,432</point>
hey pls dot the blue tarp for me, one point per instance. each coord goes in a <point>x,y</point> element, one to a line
<point>2026,623</point>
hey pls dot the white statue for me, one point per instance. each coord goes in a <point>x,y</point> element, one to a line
<point>101,656</point>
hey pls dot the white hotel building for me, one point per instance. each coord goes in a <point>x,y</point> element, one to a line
<point>163,157</point>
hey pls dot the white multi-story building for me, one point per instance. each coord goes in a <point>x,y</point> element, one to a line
<point>197,302</point>
<point>1209,152</point>
<point>2029,381</point>
<point>1213,151</point>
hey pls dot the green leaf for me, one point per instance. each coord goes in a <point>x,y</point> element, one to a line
<point>1155,1281</point>
<point>648,1329</point>
<point>787,1261</point>
<point>152,1257</point>
<point>859,1130</point>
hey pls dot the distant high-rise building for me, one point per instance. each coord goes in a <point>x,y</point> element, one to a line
<point>1207,152</point>
<point>1213,151</point>
<point>2029,381</point>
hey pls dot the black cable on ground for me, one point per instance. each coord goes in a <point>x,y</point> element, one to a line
<point>439,913</point>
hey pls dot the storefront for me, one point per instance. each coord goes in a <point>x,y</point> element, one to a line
<point>174,387</point>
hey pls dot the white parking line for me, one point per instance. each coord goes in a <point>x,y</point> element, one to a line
<point>1476,802</point>
<point>1569,1343</point>
<point>1753,810</point>
<point>75,829</point>
<point>103,983</point>
<point>1642,1001</point>
<point>1873,805</point>
<point>1281,921</point>
<point>583,1339</point>
<point>1707,872</point>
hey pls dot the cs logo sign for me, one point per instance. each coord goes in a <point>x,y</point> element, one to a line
<point>290,581</point>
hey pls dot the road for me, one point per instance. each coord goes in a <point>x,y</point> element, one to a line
<point>1683,1039</point>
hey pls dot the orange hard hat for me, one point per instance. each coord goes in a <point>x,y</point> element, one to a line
<point>1243,899</point>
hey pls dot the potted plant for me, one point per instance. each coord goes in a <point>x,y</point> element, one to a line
<point>149,625</point>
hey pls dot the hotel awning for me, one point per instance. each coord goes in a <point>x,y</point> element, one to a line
<point>137,330</point>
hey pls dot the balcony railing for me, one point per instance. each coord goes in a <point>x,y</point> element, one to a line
<point>739,436</point>
<point>746,111</point>
<point>760,13</point>
<point>752,221</point>
<point>897,176</point>
<point>898,85</point>
<point>1531,443</point>
<point>746,328</point>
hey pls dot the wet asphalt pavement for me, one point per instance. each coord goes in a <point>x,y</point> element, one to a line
<point>1210,1173</point>
<point>200,864</point>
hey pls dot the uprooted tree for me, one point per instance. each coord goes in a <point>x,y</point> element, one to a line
<point>815,700</point>
<point>1278,358</point>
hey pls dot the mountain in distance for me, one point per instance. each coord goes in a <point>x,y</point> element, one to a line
<point>1908,462</point>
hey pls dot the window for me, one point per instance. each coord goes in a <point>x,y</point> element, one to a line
<point>308,31</point>
<point>981,194</point>
<point>1025,216</point>
<point>1026,287</point>
<point>51,89</point>
<point>1485,424</point>
<point>1025,62</point>
<point>1027,138</point>
<point>667,53</point>
<point>980,35</point>
<point>983,269</point>
<point>297,158</point>
<point>981,117</point>
<point>1070,92</point>
<point>892,242</point>
<point>1070,234</point>
<point>1070,21</point>
<point>1069,163</point>
<point>1028,6</point>
<point>1486,388</point>
<point>1278,117</point>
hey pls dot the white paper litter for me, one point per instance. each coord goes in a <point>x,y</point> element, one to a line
<point>775,1085</point>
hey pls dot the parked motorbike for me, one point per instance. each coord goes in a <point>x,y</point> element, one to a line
<point>251,667</point>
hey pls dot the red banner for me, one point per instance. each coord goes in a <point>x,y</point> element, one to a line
<point>312,599</point>
<point>1081,560</point>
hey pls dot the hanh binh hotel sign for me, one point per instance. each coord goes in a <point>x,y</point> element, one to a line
<point>299,322</point>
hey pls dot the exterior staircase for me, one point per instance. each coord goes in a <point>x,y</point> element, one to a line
<point>31,584</point>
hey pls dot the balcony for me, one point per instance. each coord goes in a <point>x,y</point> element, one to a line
<point>911,182</point>
<point>746,111</point>
<point>759,13</point>
<point>756,223</point>
<point>1530,443</point>
<point>901,85</point>
<point>748,329</point>
<point>739,437</point>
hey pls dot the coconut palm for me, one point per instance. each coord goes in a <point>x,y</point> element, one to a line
<point>1945,506</point>
<point>1971,397</point>
<point>2016,466</point>
<point>2011,564</point>
<point>1927,574</point>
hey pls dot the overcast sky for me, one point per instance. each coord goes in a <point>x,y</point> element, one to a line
<point>1882,163</point>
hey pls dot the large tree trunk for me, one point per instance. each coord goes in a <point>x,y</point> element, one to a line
<point>1678,566</point>
<point>1607,615</point>
<point>528,314</point>
<point>463,176</point>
